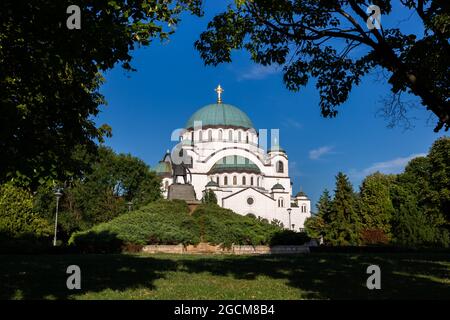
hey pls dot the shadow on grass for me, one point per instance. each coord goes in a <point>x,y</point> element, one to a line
<point>317,275</point>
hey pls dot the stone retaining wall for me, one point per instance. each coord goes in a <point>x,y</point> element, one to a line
<point>206,248</point>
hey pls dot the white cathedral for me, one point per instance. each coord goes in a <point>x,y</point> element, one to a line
<point>227,156</point>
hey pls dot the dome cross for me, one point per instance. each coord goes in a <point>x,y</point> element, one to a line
<point>219,91</point>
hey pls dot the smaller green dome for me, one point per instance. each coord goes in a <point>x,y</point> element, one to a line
<point>163,168</point>
<point>277,186</point>
<point>234,164</point>
<point>212,184</point>
<point>301,194</point>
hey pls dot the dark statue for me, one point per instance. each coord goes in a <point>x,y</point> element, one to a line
<point>180,170</point>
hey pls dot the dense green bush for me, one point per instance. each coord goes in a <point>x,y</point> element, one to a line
<point>17,218</point>
<point>223,226</point>
<point>161,222</point>
<point>169,222</point>
<point>288,237</point>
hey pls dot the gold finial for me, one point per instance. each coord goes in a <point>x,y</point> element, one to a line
<point>219,91</point>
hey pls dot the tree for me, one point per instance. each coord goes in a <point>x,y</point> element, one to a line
<point>376,205</point>
<point>412,228</point>
<point>344,228</point>
<point>316,226</point>
<point>318,38</point>
<point>209,197</point>
<point>439,157</point>
<point>17,218</point>
<point>50,76</point>
<point>102,193</point>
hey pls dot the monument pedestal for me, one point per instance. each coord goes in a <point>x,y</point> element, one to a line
<point>186,192</point>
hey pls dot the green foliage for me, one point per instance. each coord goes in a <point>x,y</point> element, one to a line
<point>316,225</point>
<point>169,222</point>
<point>102,193</point>
<point>17,218</point>
<point>412,228</point>
<point>409,209</point>
<point>289,237</point>
<point>161,222</point>
<point>376,208</point>
<point>316,39</point>
<point>222,226</point>
<point>50,76</point>
<point>209,197</point>
<point>345,227</point>
<point>439,157</point>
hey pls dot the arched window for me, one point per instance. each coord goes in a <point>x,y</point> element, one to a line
<point>251,181</point>
<point>246,139</point>
<point>192,137</point>
<point>280,167</point>
<point>257,182</point>
<point>200,135</point>
<point>220,135</point>
<point>244,182</point>
<point>225,180</point>
<point>234,180</point>
<point>239,136</point>
<point>230,135</point>
<point>209,135</point>
<point>280,202</point>
<point>304,208</point>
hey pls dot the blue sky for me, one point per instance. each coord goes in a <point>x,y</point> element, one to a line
<point>171,83</point>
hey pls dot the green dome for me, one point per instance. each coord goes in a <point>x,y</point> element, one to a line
<point>220,115</point>
<point>277,186</point>
<point>234,164</point>
<point>163,168</point>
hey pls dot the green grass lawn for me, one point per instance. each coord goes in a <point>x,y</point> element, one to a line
<point>312,276</point>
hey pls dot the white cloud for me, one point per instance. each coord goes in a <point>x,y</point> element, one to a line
<point>396,165</point>
<point>291,123</point>
<point>258,72</point>
<point>316,154</point>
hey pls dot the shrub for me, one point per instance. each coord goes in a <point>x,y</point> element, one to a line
<point>169,222</point>
<point>223,226</point>
<point>17,218</point>
<point>96,242</point>
<point>374,237</point>
<point>161,222</point>
<point>289,237</point>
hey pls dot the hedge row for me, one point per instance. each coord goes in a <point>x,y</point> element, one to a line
<point>169,222</point>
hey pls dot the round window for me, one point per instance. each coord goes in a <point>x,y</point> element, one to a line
<point>250,200</point>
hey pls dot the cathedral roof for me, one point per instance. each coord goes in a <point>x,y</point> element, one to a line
<point>220,115</point>
<point>234,164</point>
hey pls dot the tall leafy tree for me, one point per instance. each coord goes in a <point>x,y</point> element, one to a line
<point>376,205</point>
<point>50,75</point>
<point>102,193</point>
<point>331,41</point>
<point>439,157</point>
<point>316,225</point>
<point>344,227</point>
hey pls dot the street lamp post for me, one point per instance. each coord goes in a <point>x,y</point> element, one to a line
<point>289,211</point>
<point>58,195</point>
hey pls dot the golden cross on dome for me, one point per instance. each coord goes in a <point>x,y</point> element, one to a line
<point>219,91</point>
